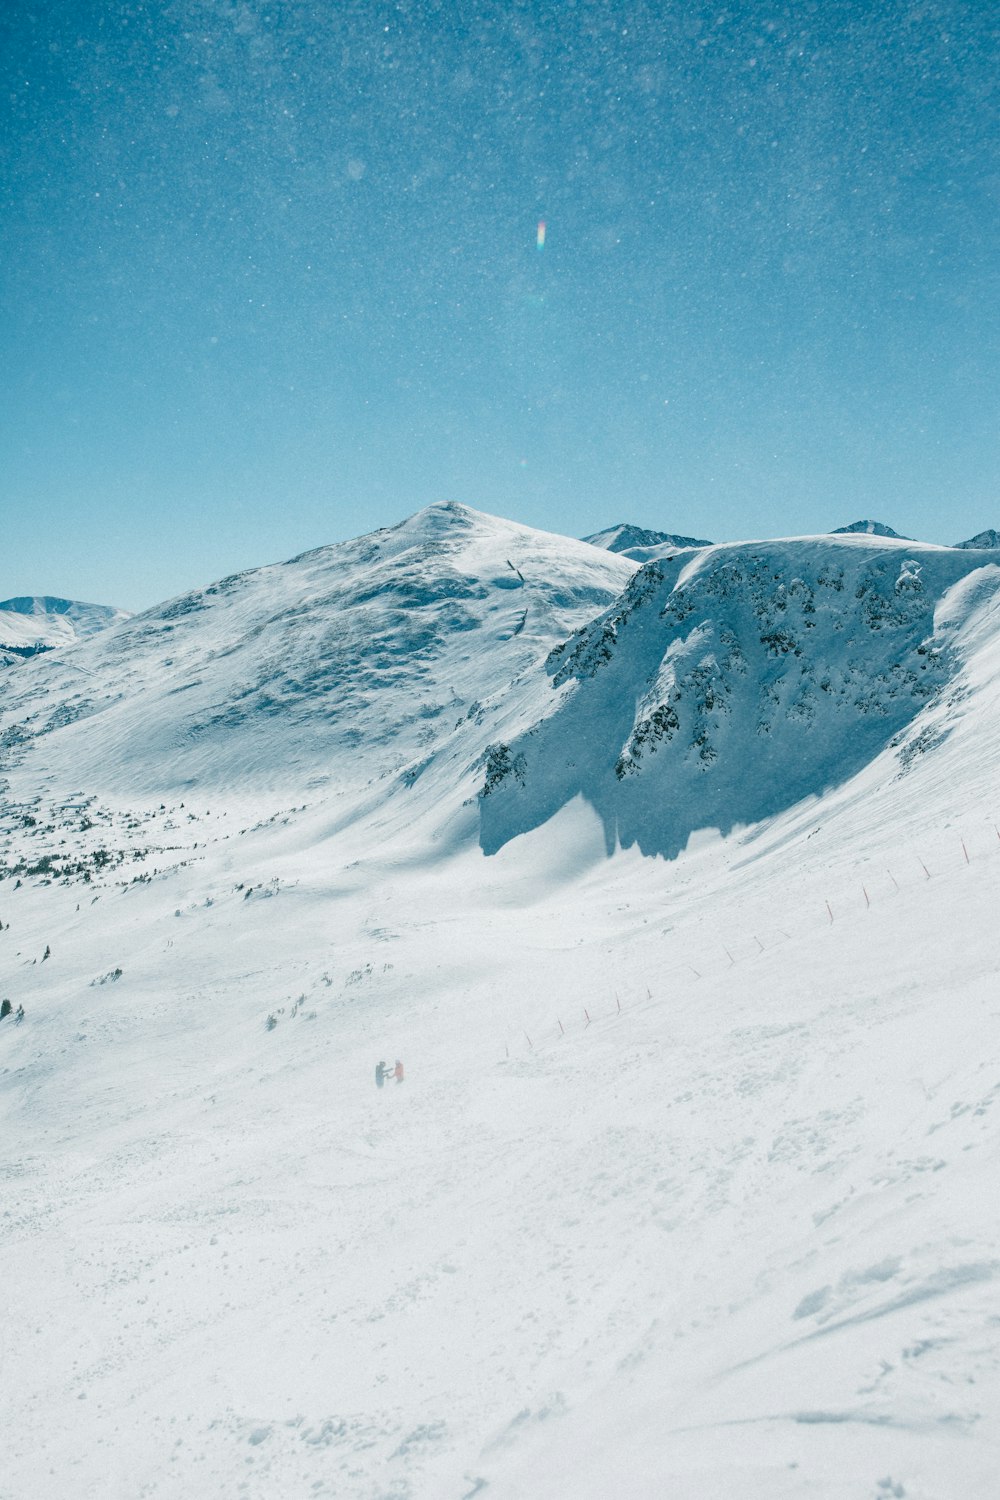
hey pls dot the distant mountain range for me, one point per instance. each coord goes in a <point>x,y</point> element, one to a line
<point>985,540</point>
<point>635,541</point>
<point>37,623</point>
<point>625,538</point>
<point>868,528</point>
<point>416,653</point>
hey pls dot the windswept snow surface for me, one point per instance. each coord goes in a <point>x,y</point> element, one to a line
<point>689,1190</point>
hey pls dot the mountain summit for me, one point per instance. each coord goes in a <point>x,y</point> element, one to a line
<point>868,528</point>
<point>988,540</point>
<point>42,623</point>
<point>342,664</point>
<point>626,538</point>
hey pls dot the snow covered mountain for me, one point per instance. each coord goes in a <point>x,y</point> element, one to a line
<point>627,539</point>
<point>867,528</point>
<point>723,688</point>
<point>41,623</point>
<point>689,1189</point>
<point>341,667</point>
<point>983,540</point>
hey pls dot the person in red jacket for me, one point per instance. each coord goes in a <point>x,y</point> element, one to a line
<point>397,1071</point>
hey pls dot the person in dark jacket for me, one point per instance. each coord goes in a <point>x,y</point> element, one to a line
<point>381,1074</point>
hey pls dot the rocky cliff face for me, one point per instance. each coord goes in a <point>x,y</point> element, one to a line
<point>719,690</point>
<point>983,541</point>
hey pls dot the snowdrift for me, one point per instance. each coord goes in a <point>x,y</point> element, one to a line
<point>690,1188</point>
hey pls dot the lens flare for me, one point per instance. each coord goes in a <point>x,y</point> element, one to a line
<point>541,234</point>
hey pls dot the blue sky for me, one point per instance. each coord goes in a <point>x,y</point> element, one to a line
<point>270,274</point>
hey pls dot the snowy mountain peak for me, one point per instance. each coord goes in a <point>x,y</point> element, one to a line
<point>868,528</point>
<point>625,538</point>
<point>982,541</point>
<point>40,622</point>
<point>442,518</point>
<point>350,662</point>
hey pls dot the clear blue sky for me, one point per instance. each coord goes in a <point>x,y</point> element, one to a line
<point>270,274</point>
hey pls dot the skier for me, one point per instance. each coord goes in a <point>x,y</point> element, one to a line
<point>381,1074</point>
<point>397,1071</point>
<point>19,1015</point>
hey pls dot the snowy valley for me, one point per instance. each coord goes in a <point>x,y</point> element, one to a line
<point>672,878</point>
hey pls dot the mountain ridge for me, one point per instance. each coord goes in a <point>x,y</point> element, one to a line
<point>416,654</point>
<point>271,671</point>
<point>869,528</point>
<point>625,538</point>
<point>30,624</point>
<point>983,540</point>
<point>730,684</point>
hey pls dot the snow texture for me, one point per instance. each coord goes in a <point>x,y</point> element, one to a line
<point>690,1187</point>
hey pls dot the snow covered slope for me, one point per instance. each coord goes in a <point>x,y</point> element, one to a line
<point>43,623</point>
<point>341,666</point>
<point>724,687</point>
<point>690,1188</point>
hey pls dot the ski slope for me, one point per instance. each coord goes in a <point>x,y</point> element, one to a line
<point>689,1190</point>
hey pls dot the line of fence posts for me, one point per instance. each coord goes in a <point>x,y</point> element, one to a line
<point>760,945</point>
